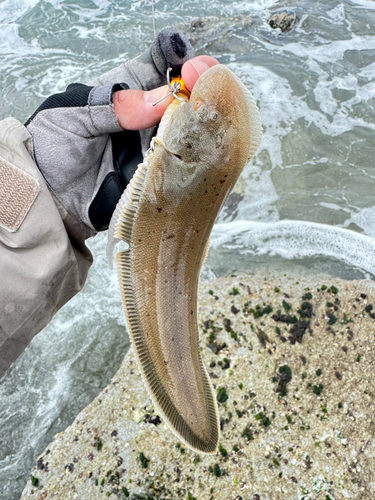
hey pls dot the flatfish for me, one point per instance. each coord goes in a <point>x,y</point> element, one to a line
<point>166,216</point>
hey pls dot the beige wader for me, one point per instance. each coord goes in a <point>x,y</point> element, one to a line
<point>43,257</point>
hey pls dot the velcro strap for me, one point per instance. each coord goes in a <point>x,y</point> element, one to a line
<point>18,191</point>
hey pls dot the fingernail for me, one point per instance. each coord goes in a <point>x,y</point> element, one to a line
<point>199,66</point>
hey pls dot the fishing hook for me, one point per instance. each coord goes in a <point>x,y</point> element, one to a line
<point>173,89</point>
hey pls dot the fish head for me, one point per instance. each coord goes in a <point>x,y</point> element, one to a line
<point>214,133</point>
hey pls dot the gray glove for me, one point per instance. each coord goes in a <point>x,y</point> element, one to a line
<point>82,152</point>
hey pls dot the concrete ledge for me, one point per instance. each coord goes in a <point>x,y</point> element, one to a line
<point>293,366</point>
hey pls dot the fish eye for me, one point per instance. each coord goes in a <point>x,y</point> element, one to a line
<point>214,116</point>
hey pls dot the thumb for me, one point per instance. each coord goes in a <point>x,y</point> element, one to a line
<point>194,68</point>
<point>134,108</point>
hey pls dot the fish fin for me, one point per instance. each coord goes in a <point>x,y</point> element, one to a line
<point>121,222</point>
<point>127,210</point>
<point>205,253</point>
<point>256,129</point>
<point>111,240</point>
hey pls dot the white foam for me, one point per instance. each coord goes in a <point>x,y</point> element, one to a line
<point>329,52</point>
<point>258,6</point>
<point>292,239</point>
<point>365,219</point>
<point>316,58</point>
<point>280,108</point>
<point>259,195</point>
<point>11,10</point>
<point>337,14</point>
<point>324,97</point>
<point>368,71</point>
<point>12,46</point>
<point>334,206</point>
<point>363,4</point>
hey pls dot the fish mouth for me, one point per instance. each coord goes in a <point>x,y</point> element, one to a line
<point>175,155</point>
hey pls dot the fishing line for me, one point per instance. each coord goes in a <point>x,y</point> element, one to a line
<point>153,17</point>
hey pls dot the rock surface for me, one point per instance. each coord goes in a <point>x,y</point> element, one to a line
<point>293,368</point>
<point>283,20</point>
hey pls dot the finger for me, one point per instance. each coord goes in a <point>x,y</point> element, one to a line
<point>194,68</point>
<point>134,108</point>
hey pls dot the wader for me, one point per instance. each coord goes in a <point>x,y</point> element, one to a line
<point>43,257</point>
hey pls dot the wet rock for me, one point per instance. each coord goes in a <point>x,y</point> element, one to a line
<point>233,201</point>
<point>283,20</point>
<point>220,35</point>
<point>298,414</point>
<point>199,23</point>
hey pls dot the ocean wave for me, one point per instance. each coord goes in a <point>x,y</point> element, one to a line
<point>363,4</point>
<point>291,239</point>
<point>11,10</point>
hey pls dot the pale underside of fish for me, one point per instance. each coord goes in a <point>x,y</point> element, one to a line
<point>166,217</point>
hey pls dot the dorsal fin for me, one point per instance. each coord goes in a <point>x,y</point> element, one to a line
<point>123,215</point>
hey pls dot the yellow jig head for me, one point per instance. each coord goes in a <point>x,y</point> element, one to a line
<point>182,89</point>
<point>176,86</point>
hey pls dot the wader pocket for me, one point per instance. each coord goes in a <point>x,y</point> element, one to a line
<point>18,191</point>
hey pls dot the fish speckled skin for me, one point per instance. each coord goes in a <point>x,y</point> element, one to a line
<point>175,198</point>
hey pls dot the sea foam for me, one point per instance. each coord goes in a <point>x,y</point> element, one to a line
<point>292,239</point>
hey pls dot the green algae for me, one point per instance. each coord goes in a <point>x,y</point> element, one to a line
<point>284,377</point>
<point>247,433</point>
<point>143,460</point>
<point>98,444</point>
<point>332,319</point>
<point>34,481</point>
<point>215,470</point>
<point>317,389</point>
<point>264,420</point>
<point>287,307</point>
<point>221,395</point>
<point>222,451</point>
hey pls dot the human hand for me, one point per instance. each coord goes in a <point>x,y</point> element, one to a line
<point>89,139</point>
<point>134,109</point>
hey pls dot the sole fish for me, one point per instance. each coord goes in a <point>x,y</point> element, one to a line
<point>166,218</point>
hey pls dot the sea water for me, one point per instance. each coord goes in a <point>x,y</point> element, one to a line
<point>305,204</point>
